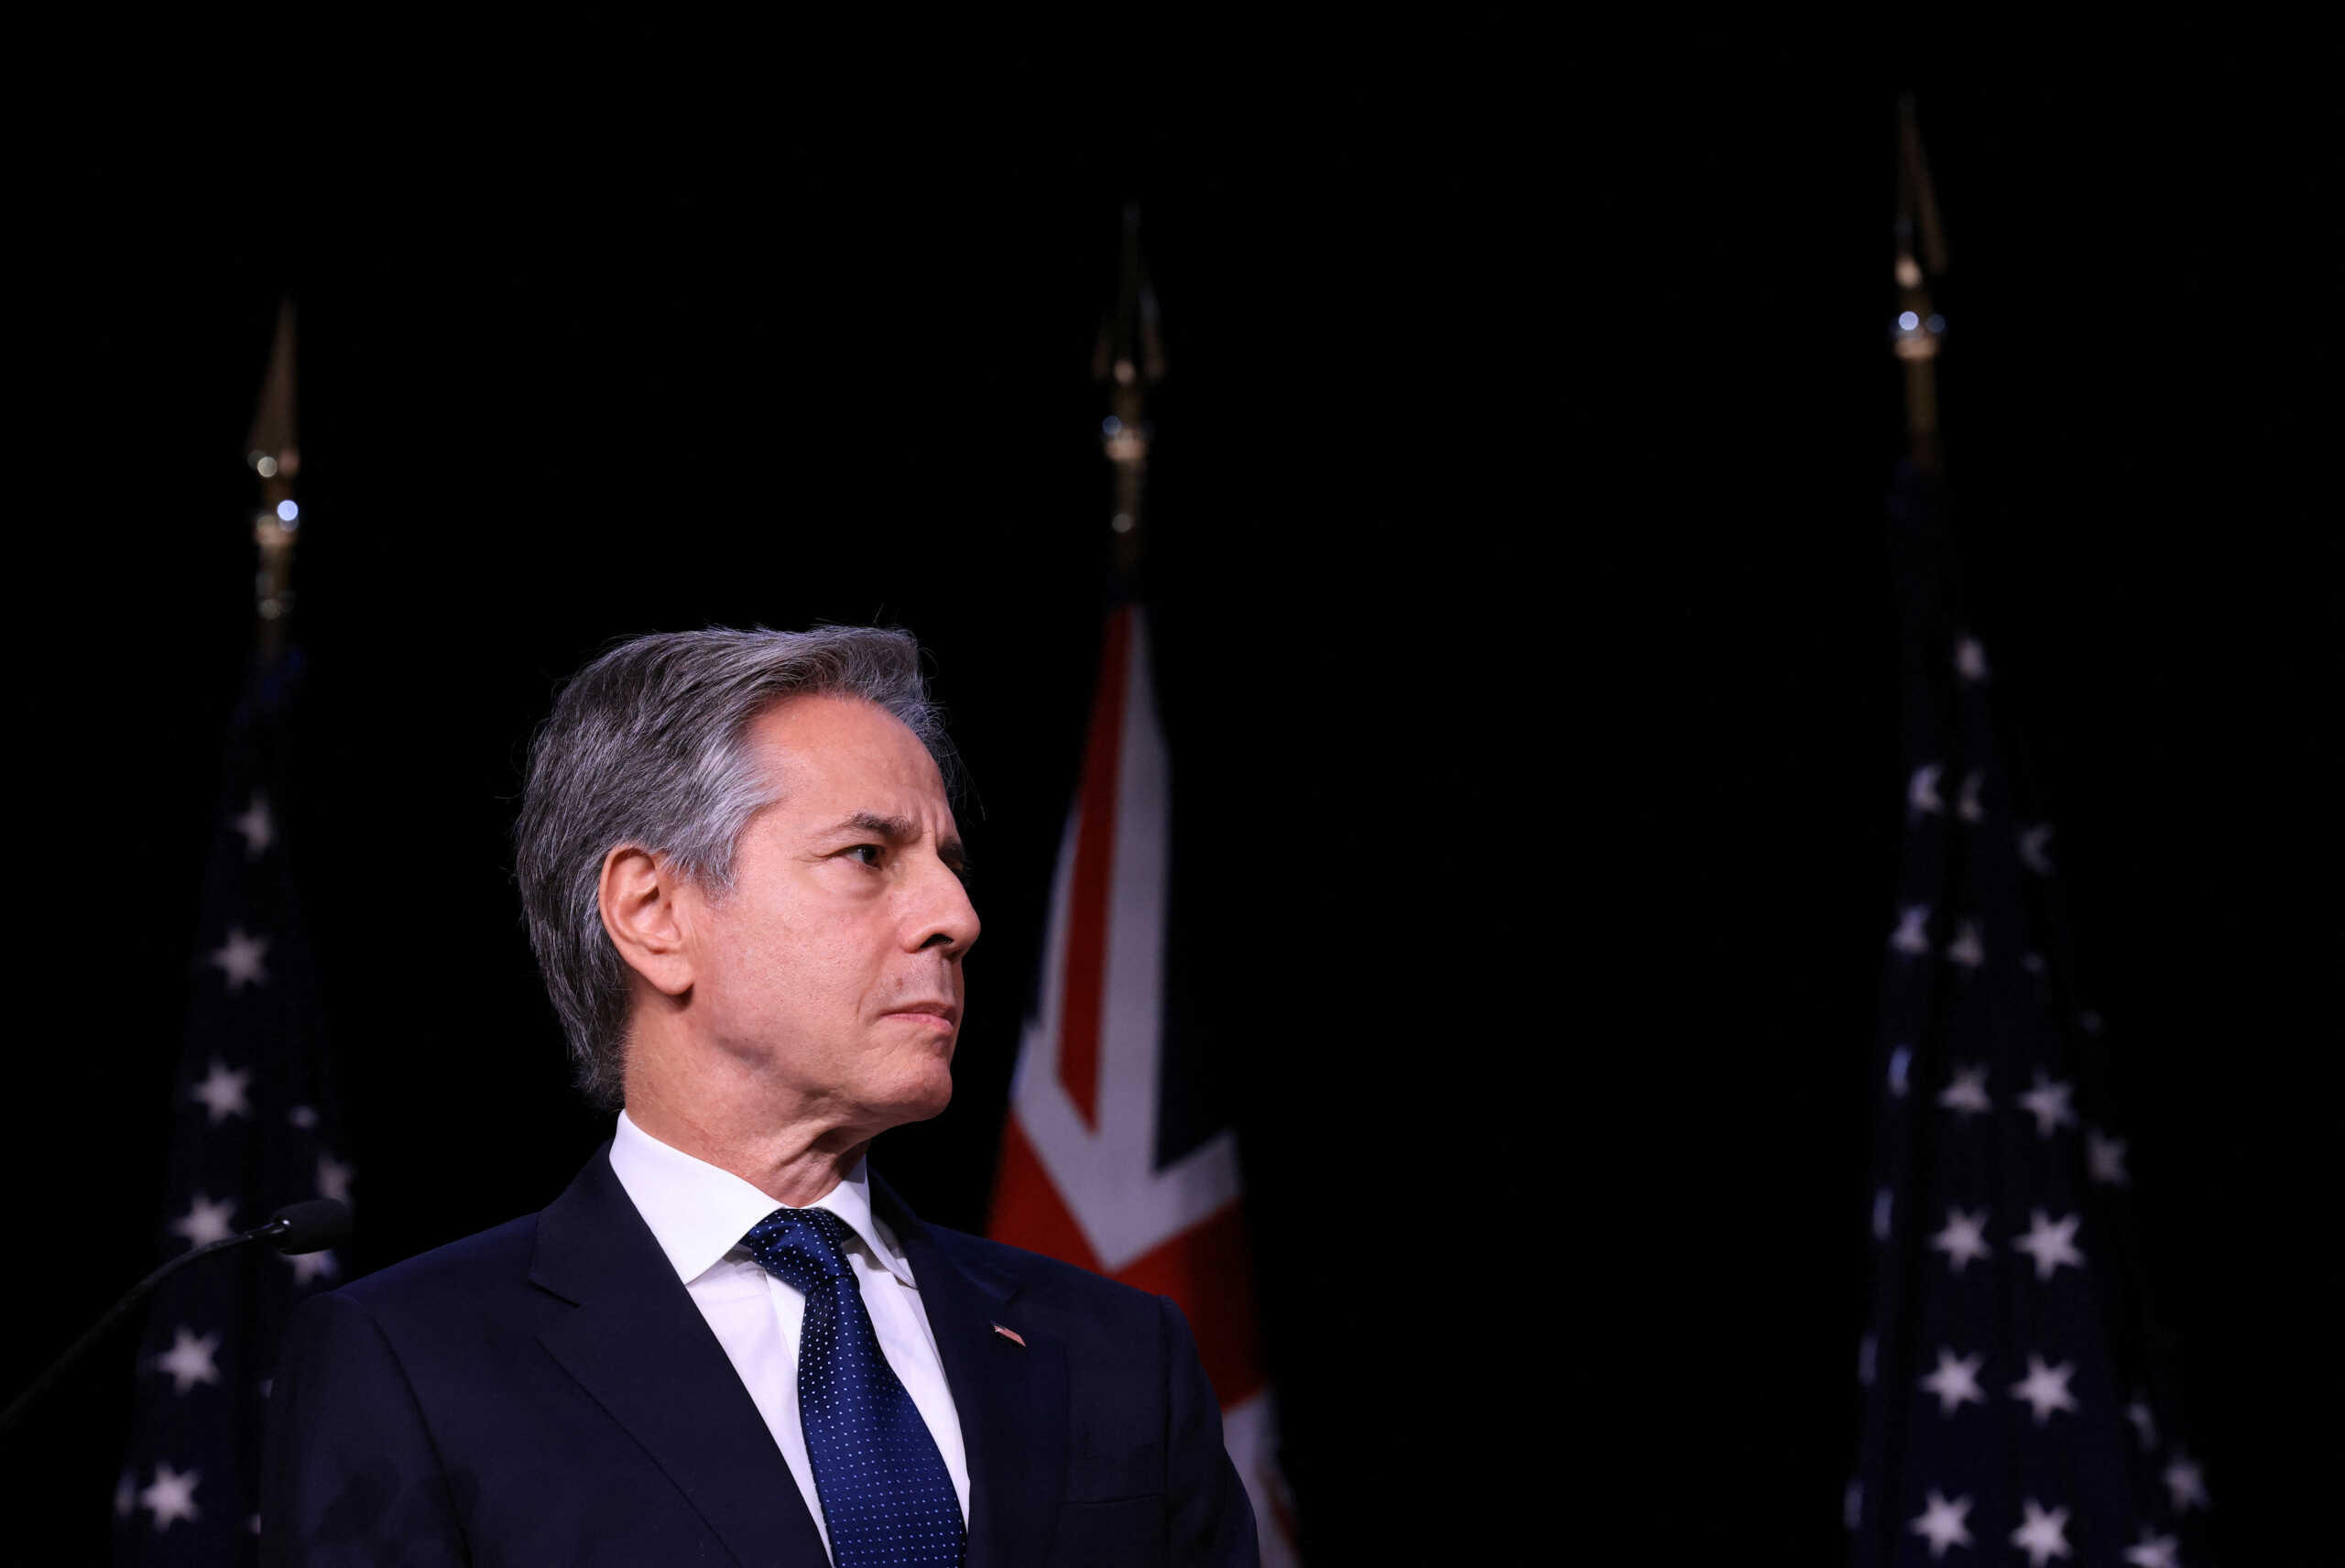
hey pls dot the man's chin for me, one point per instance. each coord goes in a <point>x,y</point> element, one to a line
<point>921,1101</point>
<point>936,1102</point>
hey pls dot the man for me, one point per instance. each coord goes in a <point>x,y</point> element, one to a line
<point>728,1342</point>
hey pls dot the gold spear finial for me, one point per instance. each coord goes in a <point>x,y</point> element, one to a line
<point>1921,259</point>
<point>1128,360</point>
<point>273,451</point>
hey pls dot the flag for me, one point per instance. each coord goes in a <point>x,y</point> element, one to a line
<point>2016,1406</point>
<point>1106,1162</point>
<point>254,1128</point>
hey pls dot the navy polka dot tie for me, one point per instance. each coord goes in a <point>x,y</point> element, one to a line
<point>886,1496</point>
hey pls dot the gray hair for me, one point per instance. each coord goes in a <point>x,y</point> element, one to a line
<point>648,746</point>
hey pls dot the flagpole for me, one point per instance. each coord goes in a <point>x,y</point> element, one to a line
<point>273,452</point>
<point>1130,361</point>
<point>1921,259</point>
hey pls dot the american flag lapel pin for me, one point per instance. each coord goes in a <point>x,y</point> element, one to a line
<point>1011,1334</point>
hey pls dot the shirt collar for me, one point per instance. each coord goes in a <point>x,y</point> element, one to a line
<point>699,1213</point>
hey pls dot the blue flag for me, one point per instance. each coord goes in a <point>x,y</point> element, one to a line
<point>2015,1405</point>
<point>254,1128</point>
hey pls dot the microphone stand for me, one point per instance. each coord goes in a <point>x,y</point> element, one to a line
<point>279,1225</point>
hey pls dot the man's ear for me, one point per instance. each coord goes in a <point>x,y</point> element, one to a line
<point>638,896</point>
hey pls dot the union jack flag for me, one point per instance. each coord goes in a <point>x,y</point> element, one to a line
<point>1098,1165</point>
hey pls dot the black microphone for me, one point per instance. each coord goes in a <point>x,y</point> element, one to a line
<point>304,1228</point>
<point>311,1227</point>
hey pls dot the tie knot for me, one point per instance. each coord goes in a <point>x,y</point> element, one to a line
<point>803,1247</point>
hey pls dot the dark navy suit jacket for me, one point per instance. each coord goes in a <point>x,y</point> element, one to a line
<point>547,1392</point>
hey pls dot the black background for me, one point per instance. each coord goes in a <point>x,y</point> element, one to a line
<point>1525,646</point>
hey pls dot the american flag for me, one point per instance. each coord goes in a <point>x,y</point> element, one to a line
<point>2017,1404</point>
<point>1107,1161</point>
<point>254,1128</point>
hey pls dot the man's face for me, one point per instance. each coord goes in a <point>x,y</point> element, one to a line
<point>833,969</point>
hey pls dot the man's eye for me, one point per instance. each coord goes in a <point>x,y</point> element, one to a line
<point>873,850</point>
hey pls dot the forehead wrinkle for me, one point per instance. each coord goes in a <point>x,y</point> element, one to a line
<point>896,831</point>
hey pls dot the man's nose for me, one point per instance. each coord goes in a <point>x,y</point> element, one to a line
<point>944,918</point>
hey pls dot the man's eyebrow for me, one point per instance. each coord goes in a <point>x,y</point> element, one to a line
<point>897,831</point>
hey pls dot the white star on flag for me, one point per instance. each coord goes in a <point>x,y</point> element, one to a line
<point>311,1266</point>
<point>206,1222</point>
<point>189,1360</point>
<point>2186,1482</point>
<point>1966,949</point>
<point>2154,1551</point>
<point>223,1092</point>
<point>1966,1096</point>
<point>1922,791</point>
<point>2046,1388</point>
<point>1942,1522</point>
<point>1967,805</point>
<point>2031,842</point>
<point>1956,1381</point>
<point>1964,1239</point>
<point>1970,659</point>
<point>2107,1157</point>
<point>239,960</point>
<point>2044,1536</point>
<point>334,1178</point>
<point>1912,935</point>
<point>172,1497</point>
<point>2050,1245</point>
<point>2048,1104</point>
<point>259,831</point>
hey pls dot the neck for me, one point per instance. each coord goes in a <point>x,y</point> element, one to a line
<point>791,1153</point>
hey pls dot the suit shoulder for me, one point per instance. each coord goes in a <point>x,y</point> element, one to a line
<point>470,1268</point>
<point>1045,1278</point>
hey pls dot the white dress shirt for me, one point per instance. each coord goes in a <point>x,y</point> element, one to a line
<point>699,1213</point>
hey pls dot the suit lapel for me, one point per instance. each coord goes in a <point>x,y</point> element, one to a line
<point>634,1341</point>
<point>1011,1397</point>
